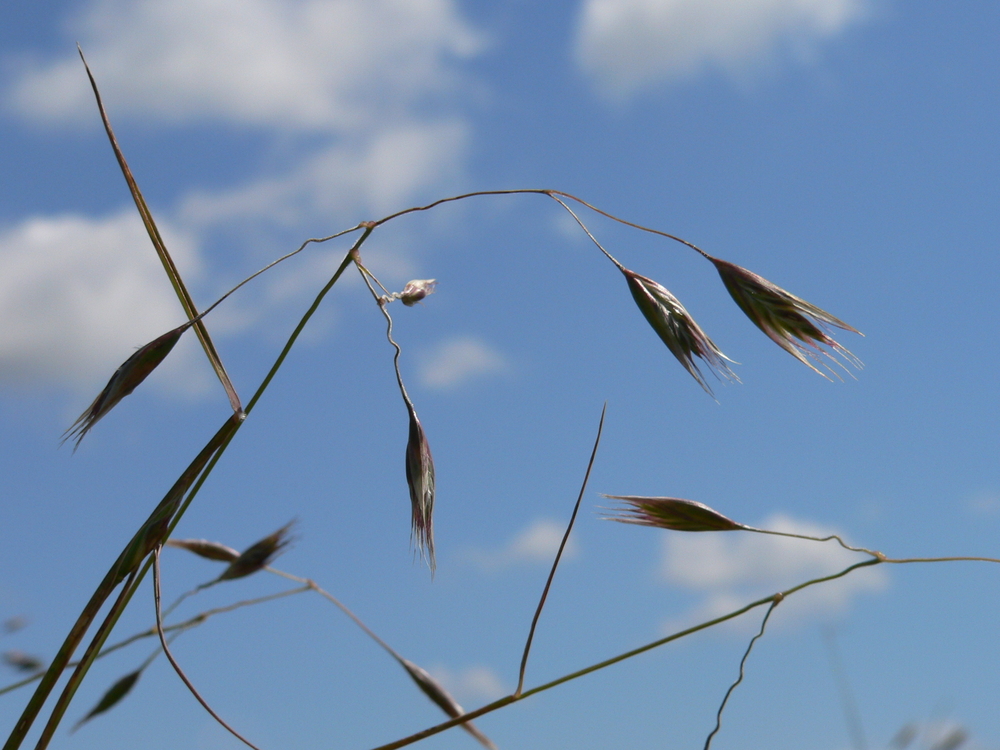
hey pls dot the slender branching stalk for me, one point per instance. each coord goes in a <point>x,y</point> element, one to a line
<point>739,679</point>
<point>173,661</point>
<point>559,553</point>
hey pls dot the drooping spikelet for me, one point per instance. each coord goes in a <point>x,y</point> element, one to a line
<point>797,326</point>
<point>677,329</point>
<point>114,694</point>
<point>420,480</point>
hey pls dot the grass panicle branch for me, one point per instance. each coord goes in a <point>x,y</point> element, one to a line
<point>173,661</point>
<point>743,663</point>
<point>419,463</point>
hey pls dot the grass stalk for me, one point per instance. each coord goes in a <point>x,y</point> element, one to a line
<point>559,553</point>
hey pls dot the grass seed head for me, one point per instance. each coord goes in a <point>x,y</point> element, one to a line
<point>671,513</point>
<point>416,290</point>
<point>204,548</point>
<point>258,556</point>
<point>125,380</point>
<point>420,480</point>
<point>677,329</point>
<point>798,327</point>
<point>114,694</point>
<point>436,692</point>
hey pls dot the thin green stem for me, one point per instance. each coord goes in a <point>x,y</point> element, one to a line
<point>507,700</point>
<point>173,661</point>
<point>559,553</point>
<point>841,542</point>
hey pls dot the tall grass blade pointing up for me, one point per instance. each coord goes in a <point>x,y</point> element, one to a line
<point>187,302</point>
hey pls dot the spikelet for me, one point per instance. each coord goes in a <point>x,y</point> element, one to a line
<point>671,513</point>
<point>258,556</point>
<point>677,329</point>
<point>114,694</point>
<point>798,327</point>
<point>420,480</point>
<point>433,690</point>
<point>125,380</point>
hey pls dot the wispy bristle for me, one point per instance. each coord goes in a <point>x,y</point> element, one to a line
<point>420,480</point>
<point>677,329</point>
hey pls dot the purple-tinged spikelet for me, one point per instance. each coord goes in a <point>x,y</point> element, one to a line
<point>420,480</point>
<point>433,690</point>
<point>677,329</point>
<point>258,556</point>
<point>786,319</point>
<point>671,513</point>
<point>204,548</point>
<point>125,380</point>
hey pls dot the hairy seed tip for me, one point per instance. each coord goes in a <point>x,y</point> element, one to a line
<point>798,327</point>
<point>436,692</point>
<point>258,556</point>
<point>125,380</point>
<point>416,290</point>
<point>420,480</point>
<point>671,513</point>
<point>114,694</point>
<point>678,330</point>
<point>204,548</point>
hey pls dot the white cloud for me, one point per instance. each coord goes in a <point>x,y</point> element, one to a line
<point>730,569</point>
<point>627,45</point>
<point>285,64</point>
<point>536,544</point>
<point>77,295</point>
<point>476,683</point>
<point>459,360</point>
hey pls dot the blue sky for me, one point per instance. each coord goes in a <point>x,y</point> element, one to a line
<point>846,150</point>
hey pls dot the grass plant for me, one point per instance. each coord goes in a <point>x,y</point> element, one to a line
<point>800,328</point>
